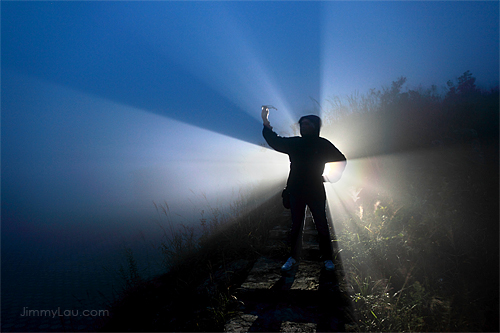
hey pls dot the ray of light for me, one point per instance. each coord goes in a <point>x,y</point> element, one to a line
<point>171,66</point>
<point>232,42</point>
<point>70,153</point>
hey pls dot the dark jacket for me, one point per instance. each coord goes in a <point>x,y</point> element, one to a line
<point>308,156</point>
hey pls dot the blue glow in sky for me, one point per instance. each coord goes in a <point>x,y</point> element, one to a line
<point>97,94</point>
<point>108,106</point>
<point>369,44</point>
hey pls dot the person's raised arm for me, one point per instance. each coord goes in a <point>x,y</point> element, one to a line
<point>265,117</point>
<point>275,141</point>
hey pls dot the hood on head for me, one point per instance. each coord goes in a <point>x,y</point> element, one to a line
<point>313,119</point>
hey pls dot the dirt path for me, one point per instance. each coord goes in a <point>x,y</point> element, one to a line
<point>306,299</point>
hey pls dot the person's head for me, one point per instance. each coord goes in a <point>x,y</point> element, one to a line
<point>310,125</point>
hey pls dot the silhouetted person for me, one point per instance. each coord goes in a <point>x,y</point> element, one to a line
<point>308,155</point>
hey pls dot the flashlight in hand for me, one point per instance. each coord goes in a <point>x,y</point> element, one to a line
<point>268,107</point>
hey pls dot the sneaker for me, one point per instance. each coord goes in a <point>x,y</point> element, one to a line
<point>288,264</point>
<point>329,266</point>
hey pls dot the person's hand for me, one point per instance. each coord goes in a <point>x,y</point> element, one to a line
<point>265,115</point>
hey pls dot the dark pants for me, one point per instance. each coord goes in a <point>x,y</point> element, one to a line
<point>318,211</point>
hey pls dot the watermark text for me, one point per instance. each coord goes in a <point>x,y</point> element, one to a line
<point>26,312</point>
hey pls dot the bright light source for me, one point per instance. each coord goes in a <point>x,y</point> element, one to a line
<point>333,170</point>
<point>326,171</point>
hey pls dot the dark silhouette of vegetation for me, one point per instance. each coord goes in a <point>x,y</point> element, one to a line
<point>419,246</point>
<point>391,120</point>
<point>422,251</point>
<point>196,292</point>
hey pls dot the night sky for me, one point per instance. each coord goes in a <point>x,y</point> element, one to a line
<point>109,106</point>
